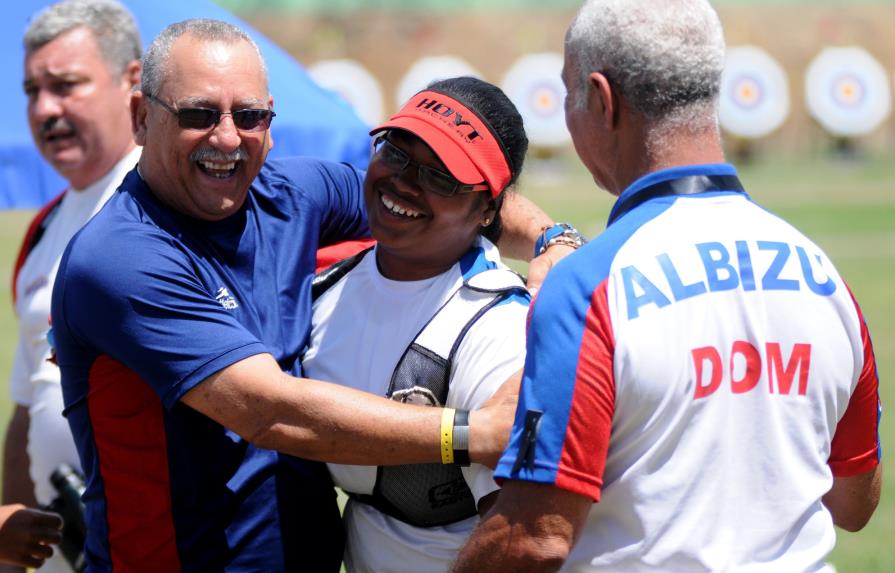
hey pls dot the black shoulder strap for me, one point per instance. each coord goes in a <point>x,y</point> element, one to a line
<point>326,278</point>
<point>33,235</point>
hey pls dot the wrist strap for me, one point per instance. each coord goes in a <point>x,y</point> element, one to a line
<point>447,435</point>
<point>461,437</point>
<point>558,234</point>
<point>547,233</point>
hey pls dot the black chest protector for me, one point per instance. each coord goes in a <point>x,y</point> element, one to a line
<point>428,495</point>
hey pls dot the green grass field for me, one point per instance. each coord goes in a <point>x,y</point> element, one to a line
<point>848,207</point>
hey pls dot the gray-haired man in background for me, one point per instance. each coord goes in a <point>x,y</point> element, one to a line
<point>82,58</point>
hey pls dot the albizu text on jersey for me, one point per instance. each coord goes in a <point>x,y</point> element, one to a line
<point>748,265</point>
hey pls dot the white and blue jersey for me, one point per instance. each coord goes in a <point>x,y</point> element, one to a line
<point>702,371</point>
<point>147,304</point>
<point>374,320</point>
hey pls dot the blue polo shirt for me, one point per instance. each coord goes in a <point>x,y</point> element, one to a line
<point>147,304</point>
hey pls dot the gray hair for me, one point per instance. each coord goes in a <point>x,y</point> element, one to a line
<point>664,56</point>
<point>155,62</point>
<point>111,23</point>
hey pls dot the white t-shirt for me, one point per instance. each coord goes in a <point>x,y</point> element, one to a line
<point>34,381</point>
<point>361,328</point>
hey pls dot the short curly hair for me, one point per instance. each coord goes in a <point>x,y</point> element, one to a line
<point>664,56</point>
<point>111,23</point>
<point>155,62</point>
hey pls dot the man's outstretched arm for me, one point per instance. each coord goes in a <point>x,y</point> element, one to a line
<point>327,422</point>
<point>531,528</point>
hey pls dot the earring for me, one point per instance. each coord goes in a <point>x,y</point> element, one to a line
<point>486,222</point>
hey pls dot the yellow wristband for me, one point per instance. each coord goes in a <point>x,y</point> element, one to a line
<point>447,435</point>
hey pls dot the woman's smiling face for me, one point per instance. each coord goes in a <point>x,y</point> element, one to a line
<point>420,233</point>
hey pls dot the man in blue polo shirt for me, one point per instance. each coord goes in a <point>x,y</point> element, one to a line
<point>178,312</point>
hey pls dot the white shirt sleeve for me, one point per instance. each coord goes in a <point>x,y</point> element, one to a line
<point>491,352</point>
<point>20,387</point>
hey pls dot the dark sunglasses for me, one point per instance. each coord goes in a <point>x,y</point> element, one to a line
<point>202,118</point>
<point>428,178</point>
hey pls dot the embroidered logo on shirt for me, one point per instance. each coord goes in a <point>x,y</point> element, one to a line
<point>226,299</point>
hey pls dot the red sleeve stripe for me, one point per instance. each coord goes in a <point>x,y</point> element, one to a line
<point>855,448</point>
<point>586,442</point>
<point>128,424</point>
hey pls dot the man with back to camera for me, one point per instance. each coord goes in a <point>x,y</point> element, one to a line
<point>173,347</point>
<point>82,58</point>
<point>700,369</point>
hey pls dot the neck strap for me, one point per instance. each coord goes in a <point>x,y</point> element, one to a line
<point>691,185</point>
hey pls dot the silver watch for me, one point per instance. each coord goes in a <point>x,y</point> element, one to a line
<point>559,234</point>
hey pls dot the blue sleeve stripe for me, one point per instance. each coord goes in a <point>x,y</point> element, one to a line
<point>555,334</point>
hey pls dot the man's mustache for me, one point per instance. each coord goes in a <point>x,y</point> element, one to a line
<point>54,124</point>
<point>211,154</point>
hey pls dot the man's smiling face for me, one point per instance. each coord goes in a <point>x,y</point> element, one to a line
<point>204,173</point>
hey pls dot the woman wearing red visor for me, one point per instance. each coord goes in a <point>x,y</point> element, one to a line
<point>429,315</point>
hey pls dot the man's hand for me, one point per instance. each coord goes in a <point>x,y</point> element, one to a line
<point>489,426</point>
<point>540,265</point>
<point>26,535</point>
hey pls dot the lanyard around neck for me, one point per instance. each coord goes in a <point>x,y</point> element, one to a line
<point>690,185</point>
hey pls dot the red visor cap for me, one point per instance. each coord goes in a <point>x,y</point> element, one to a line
<point>460,139</point>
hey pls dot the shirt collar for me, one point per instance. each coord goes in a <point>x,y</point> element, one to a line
<point>645,187</point>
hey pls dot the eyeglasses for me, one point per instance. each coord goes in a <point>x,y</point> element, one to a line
<point>203,118</point>
<point>428,178</point>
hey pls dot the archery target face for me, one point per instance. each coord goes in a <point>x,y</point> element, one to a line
<point>534,84</point>
<point>426,70</point>
<point>847,91</point>
<point>748,92</point>
<point>354,83</point>
<point>754,93</point>
<point>544,100</point>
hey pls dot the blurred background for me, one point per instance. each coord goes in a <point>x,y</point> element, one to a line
<point>806,111</point>
<point>388,38</point>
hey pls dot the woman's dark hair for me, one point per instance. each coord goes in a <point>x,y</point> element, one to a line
<point>497,111</point>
